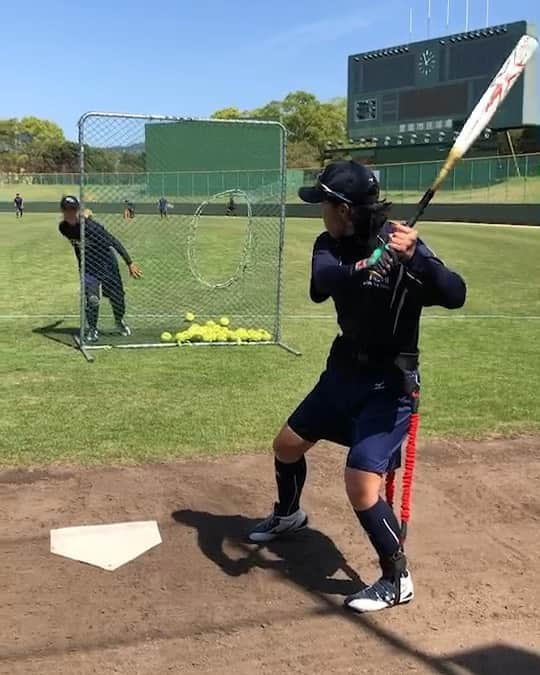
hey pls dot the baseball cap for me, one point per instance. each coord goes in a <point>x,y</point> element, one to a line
<point>345,181</point>
<point>69,202</point>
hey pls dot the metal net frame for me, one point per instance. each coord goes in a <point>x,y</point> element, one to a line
<point>198,206</point>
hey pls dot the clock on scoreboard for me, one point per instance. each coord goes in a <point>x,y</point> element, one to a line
<point>422,92</point>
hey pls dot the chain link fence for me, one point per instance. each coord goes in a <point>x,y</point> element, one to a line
<point>208,242</point>
<point>503,179</point>
<point>500,179</point>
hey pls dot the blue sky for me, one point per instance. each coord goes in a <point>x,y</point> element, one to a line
<point>190,57</point>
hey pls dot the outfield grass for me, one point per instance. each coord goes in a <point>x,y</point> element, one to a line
<point>512,191</point>
<point>480,374</point>
<point>515,190</point>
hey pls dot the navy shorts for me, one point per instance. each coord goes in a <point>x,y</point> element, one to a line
<point>365,411</point>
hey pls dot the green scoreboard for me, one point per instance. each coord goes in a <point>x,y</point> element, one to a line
<point>424,91</point>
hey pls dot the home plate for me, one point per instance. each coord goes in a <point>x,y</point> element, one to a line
<point>106,546</point>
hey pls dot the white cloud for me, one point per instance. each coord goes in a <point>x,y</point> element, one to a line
<point>324,30</point>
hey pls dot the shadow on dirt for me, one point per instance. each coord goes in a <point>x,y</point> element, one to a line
<point>310,560</point>
<point>288,556</point>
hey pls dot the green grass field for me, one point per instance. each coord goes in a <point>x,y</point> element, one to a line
<point>480,371</point>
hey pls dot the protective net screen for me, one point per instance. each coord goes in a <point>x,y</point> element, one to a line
<point>197,208</point>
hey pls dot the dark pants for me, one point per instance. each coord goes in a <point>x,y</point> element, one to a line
<point>110,284</point>
<point>366,411</point>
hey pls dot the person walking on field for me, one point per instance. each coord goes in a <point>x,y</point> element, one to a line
<point>364,398</point>
<point>129,210</point>
<point>18,203</point>
<point>101,271</point>
<point>163,206</point>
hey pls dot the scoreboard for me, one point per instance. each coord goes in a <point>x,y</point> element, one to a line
<point>422,92</point>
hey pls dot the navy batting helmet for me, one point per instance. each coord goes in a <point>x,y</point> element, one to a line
<point>343,181</point>
<point>69,202</point>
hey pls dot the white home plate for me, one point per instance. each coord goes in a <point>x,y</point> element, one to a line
<point>106,546</point>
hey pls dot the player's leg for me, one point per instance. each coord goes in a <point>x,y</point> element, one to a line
<point>290,473</point>
<point>113,288</point>
<point>379,432</point>
<point>313,419</point>
<point>92,294</point>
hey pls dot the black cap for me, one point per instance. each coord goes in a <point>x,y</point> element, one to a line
<point>344,181</point>
<point>69,202</point>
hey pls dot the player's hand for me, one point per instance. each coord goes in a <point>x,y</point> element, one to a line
<point>402,240</point>
<point>386,263</point>
<point>135,271</point>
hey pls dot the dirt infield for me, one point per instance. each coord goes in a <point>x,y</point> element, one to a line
<point>207,602</point>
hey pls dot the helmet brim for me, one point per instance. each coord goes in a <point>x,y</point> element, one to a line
<point>311,195</point>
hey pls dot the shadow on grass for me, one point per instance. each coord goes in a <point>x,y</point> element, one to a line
<point>64,335</point>
<point>309,561</point>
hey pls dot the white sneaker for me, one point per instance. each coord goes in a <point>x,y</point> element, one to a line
<point>381,595</point>
<point>91,335</point>
<point>276,526</point>
<point>123,328</point>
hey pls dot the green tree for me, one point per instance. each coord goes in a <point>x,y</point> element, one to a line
<point>272,112</point>
<point>312,125</point>
<point>230,113</point>
<point>42,132</point>
<point>61,158</point>
<point>131,162</point>
<point>301,155</point>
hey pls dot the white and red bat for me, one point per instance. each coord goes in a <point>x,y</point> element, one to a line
<point>477,122</point>
<point>482,113</point>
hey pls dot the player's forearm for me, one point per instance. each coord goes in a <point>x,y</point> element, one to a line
<point>443,286</point>
<point>329,275</point>
<point>121,250</point>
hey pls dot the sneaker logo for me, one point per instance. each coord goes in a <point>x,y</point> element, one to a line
<point>379,386</point>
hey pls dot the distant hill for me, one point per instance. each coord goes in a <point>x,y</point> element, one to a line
<point>134,148</point>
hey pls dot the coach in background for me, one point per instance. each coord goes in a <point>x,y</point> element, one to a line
<point>101,271</point>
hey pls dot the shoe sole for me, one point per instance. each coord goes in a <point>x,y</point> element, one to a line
<point>371,611</point>
<point>265,537</point>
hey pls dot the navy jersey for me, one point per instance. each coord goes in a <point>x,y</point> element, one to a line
<point>162,204</point>
<point>380,319</point>
<point>99,246</point>
<point>18,202</point>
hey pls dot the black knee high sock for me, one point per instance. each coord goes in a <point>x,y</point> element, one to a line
<point>118,307</point>
<point>92,313</point>
<point>382,527</point>
<point>290,480</point>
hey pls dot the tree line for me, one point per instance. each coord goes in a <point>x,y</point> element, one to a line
<point>34,145</point>
<point>312,125</point>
